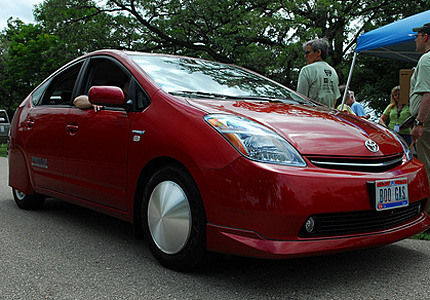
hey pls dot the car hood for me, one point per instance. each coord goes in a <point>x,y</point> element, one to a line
<point>311,130</point>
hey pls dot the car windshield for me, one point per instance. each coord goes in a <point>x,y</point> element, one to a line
<point>197,78</point>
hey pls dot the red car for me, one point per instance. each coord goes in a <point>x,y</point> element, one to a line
<point>205,157</point>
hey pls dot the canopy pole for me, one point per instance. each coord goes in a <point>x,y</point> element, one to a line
<point>349,80</point>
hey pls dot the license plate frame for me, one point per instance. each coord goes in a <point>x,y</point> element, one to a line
<point>391,194</point>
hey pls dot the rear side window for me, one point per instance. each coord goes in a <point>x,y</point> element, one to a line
<point>39,92</point>
<point>61,87</point>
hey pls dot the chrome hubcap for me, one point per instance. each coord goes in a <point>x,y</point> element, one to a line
<point>169,217</point>
<point>20,195</point>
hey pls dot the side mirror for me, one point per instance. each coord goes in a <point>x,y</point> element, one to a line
<point>107,96</point>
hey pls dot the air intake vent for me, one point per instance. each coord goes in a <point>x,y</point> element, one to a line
<point>360,221</point>
<point>378,164</point>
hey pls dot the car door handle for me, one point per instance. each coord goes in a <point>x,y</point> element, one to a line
<point>30,123</point>
<point>139,132</point>
<point>72,128</point>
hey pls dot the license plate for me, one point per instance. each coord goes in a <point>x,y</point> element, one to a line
<point>2,128</point>
<point>391,194</point>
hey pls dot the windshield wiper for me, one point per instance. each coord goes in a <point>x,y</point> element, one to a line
<point>268,98</point>
<point>198,94</point>
<point>272,99</point>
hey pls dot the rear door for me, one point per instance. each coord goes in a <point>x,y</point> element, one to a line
<point>45,127</point>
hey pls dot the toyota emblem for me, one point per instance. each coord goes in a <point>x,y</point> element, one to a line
<point>371,146</point>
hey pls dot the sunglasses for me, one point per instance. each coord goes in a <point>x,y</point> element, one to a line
<point>308,52</point>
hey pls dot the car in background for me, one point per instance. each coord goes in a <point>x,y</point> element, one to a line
<point>4,126</point>
<point>204,157</point>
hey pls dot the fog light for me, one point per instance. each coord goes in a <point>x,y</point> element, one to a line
<point>310,225</point>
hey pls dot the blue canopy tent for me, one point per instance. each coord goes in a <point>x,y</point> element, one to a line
<point>393,41</point>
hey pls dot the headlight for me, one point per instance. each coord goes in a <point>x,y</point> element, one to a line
<point>255,141</point>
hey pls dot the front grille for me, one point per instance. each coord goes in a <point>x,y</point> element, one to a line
<point>362,221</point>
<point>361,164</point>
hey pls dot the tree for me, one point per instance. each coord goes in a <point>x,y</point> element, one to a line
<point>28,56</point>
<point>81,28</point>
<point>262,35</point>
<point>228,31</point>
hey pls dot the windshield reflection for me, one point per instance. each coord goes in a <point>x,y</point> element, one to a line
<point>196,78</point>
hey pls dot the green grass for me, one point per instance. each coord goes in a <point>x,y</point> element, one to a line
<point>422,236</point>
<point>3,150</point>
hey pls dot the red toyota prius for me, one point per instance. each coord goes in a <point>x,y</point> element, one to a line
<point>203,157</point>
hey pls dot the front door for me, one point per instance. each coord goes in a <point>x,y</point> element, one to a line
<point>95,156</point>
<point>95,144</point>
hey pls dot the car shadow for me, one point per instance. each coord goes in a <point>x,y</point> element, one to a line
<point>74,215</point>
<point>325,276</point>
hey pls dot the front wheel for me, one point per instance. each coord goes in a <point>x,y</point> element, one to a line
<point>173,219</point>
<point>28,201</point>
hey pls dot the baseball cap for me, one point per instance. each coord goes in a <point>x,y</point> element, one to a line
<point>425,28</point>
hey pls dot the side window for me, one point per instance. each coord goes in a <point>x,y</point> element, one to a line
<point>106,72</point>
<point>60,91</point>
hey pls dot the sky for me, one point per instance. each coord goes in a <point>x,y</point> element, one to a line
<point>22,9</point>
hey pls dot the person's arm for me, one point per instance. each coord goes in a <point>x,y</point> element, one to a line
<point>382,120</point>
<point>303,84</point>
<point>82,102</point>
<point>417,131</point>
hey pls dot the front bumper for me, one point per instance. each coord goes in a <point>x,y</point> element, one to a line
<point>251,244</point>
<point>256,209</point>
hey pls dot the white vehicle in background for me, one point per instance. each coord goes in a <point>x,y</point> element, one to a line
<point>4,126</point>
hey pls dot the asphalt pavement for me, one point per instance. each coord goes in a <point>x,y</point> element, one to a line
<point>66,252</point>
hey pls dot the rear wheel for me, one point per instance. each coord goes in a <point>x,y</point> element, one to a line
<point>28,201</point>
<point>173,219</point>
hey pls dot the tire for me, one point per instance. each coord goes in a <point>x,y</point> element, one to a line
<point>173,219</point>
<point>28,201</point>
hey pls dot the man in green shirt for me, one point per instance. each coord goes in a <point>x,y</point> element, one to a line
<point>318,80</point>
<point>419,97</point>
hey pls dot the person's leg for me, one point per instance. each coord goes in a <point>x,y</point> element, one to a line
<point>423,151</point>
